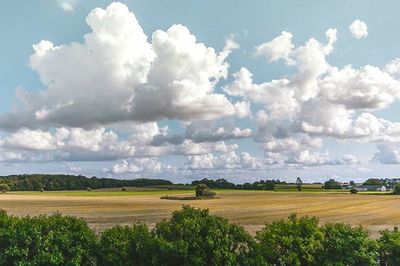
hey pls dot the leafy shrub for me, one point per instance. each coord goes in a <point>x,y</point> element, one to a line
<point>346,245</point>
<point>332,184</point>
<point>4,188</point>
<point>297,241</point>
<point>389,247</point>
<point>194,237</point>
<point>202,190</point>
<point>124,245</point>
<point>46,240</point>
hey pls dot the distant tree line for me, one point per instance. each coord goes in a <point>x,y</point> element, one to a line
<point>37,182</point>
<point>191,237</point>
<point>224,184</point>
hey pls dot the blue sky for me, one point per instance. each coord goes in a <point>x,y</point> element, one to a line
<point>271,89</point>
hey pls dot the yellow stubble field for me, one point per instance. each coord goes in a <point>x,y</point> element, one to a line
<point>252,209</point>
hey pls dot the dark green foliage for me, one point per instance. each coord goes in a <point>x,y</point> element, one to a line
<point>353,191</point>
<point>4,188</point>
<point>297,241</point>
<point>191,237</point>
<point>70,182</point>
<point>375,181</point>
<point>202,191</point>
<point>332,184</point>
<point>299,183</point>
<point>194,237</point>
<point>223,184</point>
<point>346,245</point>
<point>124,245</point>
<point>389,247</point>
<point>46,240</point>
<point>396,189</point>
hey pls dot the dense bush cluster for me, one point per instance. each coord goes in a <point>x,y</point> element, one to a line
<point>192,237</point>
<point>38,182</point>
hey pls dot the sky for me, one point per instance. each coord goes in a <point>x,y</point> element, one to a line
<point>183,90</point>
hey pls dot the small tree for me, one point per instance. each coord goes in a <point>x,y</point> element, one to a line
<point>88,189</point>
<point>202,190</point>
<point>123,189</point>
<point>299,183</point>
<point>4,188</point>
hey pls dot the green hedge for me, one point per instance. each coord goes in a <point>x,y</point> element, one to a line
<point>191,237</point>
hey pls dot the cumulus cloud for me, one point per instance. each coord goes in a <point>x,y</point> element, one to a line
<point>387,154</point>
<point>313,158</point>
<point>358,29</point>
<point>117,75</point>
<point>280,47</point>
<point>69,144</point>
<point>141,165</point>
<point>231,160</point>
<point>202,131</point>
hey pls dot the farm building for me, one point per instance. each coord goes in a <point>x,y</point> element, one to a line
<point>371,188</point>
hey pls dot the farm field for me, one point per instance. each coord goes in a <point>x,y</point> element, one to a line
<point>252,209</point>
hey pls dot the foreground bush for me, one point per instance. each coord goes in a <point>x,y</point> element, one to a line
<point>389,247</point>
<point>194,237</point>
<point>191,237</point>
<point>124,245</point>
<point>346,245</point>
<point>297,241</point>
<point>46,240</point>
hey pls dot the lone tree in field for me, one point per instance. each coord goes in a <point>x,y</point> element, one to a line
<point>299,183</point>
<point>4,188</point>
<point>202,190</point>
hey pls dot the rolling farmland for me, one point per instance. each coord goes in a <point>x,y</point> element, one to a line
<point>102,209</point>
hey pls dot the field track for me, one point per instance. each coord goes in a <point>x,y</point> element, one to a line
<point>250,208</point>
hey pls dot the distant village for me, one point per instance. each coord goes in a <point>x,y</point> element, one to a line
<point>372,184</point>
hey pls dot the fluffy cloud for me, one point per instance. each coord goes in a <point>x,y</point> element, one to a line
<point>279,48</point>
<point>69,144</point>
<point>309,158</point>
<point>202,132</point>
<point>117,75</point>
<point>387,154</point>
<point>230,160</point>
<point>142,165</point>
<point>367,88</point>
<point>68,5</point>
<point>359,29</point>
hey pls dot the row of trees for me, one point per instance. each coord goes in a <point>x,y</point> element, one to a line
<point>37,182</point>
<point>224,184</point>
<point>191,237</point>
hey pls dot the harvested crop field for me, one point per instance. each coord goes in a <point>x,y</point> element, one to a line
<point>252,209</point>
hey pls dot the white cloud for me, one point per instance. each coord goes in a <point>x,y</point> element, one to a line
<point>142,165</point>
<point>231,160</point>
<point>69,144</point>
<point>387,154</point>
<point>279,48</point>
<point>359,29</point>
<point>68,5</point>
<point>116,75</point>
